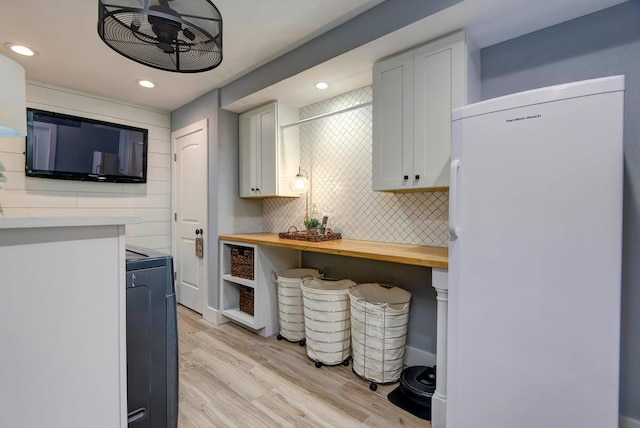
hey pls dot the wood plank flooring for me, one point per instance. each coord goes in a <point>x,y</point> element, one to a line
<point>230,377</point>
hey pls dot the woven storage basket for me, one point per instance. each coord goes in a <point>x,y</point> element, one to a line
<point>242,262</point>
<point>246,299</point>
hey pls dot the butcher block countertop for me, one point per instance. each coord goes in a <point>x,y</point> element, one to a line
<point>408,254</point>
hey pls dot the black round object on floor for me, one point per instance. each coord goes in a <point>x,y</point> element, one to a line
<point>417,385</point>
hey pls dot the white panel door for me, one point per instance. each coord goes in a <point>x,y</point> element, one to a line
<point>189,198</point>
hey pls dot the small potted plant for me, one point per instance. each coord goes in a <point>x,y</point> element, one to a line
<point>312,225</point>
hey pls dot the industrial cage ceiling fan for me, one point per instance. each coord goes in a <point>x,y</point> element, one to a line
<point>183,36</point>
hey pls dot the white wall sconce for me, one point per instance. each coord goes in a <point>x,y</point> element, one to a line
<point>300,183</point>
<point>13,106</point>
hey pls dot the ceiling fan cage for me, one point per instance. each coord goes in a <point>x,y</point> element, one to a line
<point>182,36</point>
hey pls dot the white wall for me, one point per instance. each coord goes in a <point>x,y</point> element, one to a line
<point>32,196</point>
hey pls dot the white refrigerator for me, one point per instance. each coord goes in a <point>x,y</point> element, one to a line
<point>535,258</point>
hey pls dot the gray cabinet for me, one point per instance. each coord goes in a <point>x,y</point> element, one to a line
<point>152,340</point>
<point>269,157</point>
<point>413,95</point>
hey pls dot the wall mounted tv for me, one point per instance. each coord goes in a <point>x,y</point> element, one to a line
<point>74,148</point>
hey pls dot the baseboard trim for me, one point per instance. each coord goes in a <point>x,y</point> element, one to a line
<point>418,357</point>
<point>212,315</point>
<point>438,411</point>
<point>626,422</point>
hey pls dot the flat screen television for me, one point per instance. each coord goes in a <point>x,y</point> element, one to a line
<point>74,148</point>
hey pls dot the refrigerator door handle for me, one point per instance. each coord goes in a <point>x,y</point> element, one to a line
<point>453,200</point>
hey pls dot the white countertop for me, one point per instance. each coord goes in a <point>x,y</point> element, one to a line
<point>40,222</point>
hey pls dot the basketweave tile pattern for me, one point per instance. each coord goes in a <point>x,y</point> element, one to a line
<point>336,152</point>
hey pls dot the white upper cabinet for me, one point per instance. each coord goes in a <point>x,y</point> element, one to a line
<point>269,158</point>
<point>413,95</point>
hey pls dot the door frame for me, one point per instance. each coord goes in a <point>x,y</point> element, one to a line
<point>191,129</point>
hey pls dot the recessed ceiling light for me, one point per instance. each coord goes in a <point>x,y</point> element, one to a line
<point>21,49</point>
<point>146,83</point>
<point>322,85</point>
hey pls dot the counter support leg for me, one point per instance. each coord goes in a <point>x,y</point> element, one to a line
<point>439,281</point>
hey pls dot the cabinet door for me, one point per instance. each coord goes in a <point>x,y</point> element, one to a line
<point>247,155</point>
<point>432,117</point>
<point>267,162</point>
<point>257,152</point>
<point>393,123</point>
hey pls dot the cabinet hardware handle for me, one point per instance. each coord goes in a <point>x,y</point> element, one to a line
<point>136,415</point>
<point>257,190</point>
<point>417,176</point>
<point>253,190</point>
<point>406,177</point>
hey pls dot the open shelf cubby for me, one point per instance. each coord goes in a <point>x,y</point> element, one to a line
<point>266,262</point>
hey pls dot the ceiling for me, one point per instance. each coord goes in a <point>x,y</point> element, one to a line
<point>71,54</point>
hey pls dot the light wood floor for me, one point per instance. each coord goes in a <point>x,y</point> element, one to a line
<point>230,377</point>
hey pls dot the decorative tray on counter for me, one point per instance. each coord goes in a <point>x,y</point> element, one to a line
<point>303,235</point>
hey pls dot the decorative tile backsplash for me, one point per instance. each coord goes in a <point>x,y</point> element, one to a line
<point>336,152</point>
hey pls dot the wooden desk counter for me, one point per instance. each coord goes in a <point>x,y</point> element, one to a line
<point>408,254</point>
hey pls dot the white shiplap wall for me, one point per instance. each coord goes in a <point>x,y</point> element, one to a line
<point>31,196</point>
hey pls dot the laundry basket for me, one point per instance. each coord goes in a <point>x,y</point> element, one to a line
<point>290,305</point>
<point>327,320</point>
<point>379,320</point>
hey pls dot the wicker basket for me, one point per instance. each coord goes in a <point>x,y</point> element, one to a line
<point>305,235</point>
<point>242,262</point>
<point>246,299</point>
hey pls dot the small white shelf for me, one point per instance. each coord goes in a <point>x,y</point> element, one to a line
<point>241,317</point>
<point>238,280</point>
